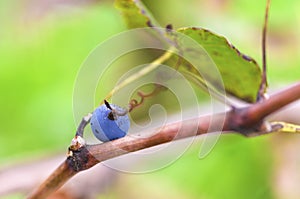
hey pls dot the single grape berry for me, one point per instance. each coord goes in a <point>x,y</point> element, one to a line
<point>109,122</point>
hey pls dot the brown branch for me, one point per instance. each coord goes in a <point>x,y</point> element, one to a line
<point>277,101</point>
<point>58,178</point>
<point>80,160</point>
<point>242,120</point>
<point>247,120</point>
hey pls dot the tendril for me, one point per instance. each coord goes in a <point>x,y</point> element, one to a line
<point>135,103</point>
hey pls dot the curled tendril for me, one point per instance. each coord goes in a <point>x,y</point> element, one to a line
<point>134,103</point>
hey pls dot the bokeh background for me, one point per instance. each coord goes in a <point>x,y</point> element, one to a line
<point>42,46</point>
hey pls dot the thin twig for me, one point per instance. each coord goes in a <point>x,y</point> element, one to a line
<point>242,120</point>
<point>153,65</point>
<point>85,120</point>
<point>264,82</point>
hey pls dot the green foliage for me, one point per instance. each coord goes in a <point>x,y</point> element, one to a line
<point>240,74</point>
<point>134,16</point>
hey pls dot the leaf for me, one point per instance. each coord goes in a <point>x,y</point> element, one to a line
<point>135,14</point>
<point>284,127</point>
<point>240,73</point>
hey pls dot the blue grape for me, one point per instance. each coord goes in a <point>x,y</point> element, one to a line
<point>107,125</point>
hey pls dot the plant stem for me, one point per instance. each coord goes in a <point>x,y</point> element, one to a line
<point>276,102</point>
<point>264,82</point>
<point>58,178</point>
<point>153,65</point>
<point>238,120</point>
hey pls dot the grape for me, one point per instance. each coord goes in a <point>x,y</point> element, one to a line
<point>109,122</point>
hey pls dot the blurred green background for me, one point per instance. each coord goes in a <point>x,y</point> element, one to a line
<point>43,44</point>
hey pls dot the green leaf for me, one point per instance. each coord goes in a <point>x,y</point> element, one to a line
<point>241,74</point>
<point>135,14</point>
